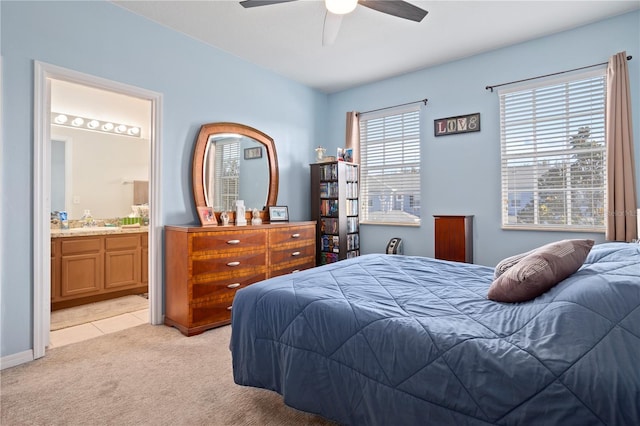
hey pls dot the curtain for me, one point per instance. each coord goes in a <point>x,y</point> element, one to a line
<point>621,190</point>
<point>353,135</point>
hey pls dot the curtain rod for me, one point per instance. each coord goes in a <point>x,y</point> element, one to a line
<point>394,106</point>
<point>549,75</point>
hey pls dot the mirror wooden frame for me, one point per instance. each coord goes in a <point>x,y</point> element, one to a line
<point>206,131</point>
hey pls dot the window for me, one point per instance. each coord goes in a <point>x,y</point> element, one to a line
<point>227,156</point>
<point>553,154</point>
<point>390,166</point>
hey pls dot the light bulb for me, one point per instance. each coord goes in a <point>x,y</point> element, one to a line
<point>93,124</point>
<point>121,128</point>
<point>107,127</point>
<point>133,131</point>
<point>77,122</point>
<point>61,119</point>
<point>340,7</point>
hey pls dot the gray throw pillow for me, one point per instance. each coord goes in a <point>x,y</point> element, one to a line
<point>508,262</point>
<point>539,271</point>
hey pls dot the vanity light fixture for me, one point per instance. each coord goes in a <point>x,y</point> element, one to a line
<point>92,124</point>
<point>60,119</point>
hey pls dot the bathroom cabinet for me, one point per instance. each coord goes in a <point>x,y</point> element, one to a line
<point>91,268</point>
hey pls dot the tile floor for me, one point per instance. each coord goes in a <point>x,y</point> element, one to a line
<point>98,328</point>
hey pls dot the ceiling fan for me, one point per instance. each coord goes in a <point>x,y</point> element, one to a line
<point>336,9</point>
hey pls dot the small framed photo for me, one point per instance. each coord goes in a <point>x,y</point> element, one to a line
<point>348,155</point>
<point>253,153</point>
<point>207,216</point>
<point>278,213</point>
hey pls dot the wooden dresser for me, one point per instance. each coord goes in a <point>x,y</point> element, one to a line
<point>205,266</point>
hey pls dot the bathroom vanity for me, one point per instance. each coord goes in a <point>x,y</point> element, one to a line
<point>94,264</point>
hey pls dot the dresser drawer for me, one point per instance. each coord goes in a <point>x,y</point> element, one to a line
<point>295,234</point>
<point>215,312</point>
<point>217,288</point>
<point>292,268</point>
<point>290,254</point>
<point>227,242</point>
<point>229,264</point>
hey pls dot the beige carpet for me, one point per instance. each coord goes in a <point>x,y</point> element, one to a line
<point>77,315</point>
<point>146,375</point>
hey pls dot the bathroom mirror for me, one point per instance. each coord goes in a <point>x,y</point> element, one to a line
<point>234,162</point>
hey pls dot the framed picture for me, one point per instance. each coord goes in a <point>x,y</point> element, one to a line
<point>253,153</point>
<point>207,216</point>
<point>278,213</point>
<point>456,125</point>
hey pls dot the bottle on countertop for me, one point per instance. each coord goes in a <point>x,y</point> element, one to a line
<point>87,219</point>
<point>64,221</point>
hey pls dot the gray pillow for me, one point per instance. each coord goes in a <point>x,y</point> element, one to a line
<point>539,271</point>
<point>508,262</point>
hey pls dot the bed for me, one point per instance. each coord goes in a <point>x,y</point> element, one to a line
<point>404,340</point>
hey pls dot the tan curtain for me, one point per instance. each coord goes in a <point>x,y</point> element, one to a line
<point>621,191</point>
<point>353,135</point>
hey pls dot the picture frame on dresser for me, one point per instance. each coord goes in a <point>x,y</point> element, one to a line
<point>278,213</point>
<point>207,216</point>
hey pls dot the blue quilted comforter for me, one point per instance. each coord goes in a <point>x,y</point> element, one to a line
<point>400,340</point>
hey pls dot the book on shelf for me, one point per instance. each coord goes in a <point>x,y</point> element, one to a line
<point>329,207</point>
<point>326,258</point>
<point>352,224</point>
<point>330,243</point>
<point>329,225</point>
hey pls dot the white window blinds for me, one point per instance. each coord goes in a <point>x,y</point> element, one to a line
<point>390,166</point>
<point>553,154</point>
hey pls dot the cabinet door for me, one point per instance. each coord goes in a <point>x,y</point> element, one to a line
<point>144,259</point>
<point>81,267</point>
<point>122,261</point>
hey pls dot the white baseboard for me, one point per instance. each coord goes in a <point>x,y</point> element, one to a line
<point>16,359</point>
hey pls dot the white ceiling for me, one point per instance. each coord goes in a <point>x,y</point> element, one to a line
<point>287,38</point>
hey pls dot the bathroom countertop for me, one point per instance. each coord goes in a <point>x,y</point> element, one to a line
<point>97,230</point>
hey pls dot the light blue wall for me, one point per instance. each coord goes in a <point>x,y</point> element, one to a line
<point>199,85</point>
<point>461,173</point>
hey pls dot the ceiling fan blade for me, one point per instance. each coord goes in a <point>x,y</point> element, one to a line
<point>330,28</point>
<point>398,8</point>
<point>255,3</point>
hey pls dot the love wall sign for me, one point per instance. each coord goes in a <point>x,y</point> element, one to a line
<point>455,125</point>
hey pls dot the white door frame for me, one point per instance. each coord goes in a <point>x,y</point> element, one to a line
<point>43,72</point>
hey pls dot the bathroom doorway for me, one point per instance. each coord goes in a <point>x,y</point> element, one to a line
<point>99,164</point>
<point>114,103</point>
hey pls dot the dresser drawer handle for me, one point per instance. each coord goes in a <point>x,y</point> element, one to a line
<point>234,285</point>
<point>295,270</point>
<point>229,308</point>
<point>233,263</point>
<point>295,253</point>
<point>233,242</point>
<point>295,236</point>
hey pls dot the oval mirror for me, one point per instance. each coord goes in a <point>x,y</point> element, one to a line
<point>234,162</point>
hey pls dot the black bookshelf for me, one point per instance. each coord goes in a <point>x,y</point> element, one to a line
<point>335,207</point>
